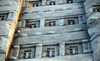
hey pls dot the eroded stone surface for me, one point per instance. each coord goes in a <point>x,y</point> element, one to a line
<point>48,30</point>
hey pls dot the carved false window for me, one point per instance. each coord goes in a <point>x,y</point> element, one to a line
<point>81,18</point>
<point>3,17</point>
<point>50,23</point>
<point>50,51</point>
<point>71,22</point>
<point>33,4</point>
<point>27,54</point>
<point>73,50</point>
<point>76,51</point>
<point>96,10</point>
<point>49,2</point>
<point>32,24</point>
<point>52,3</point>
<point>69,1</point>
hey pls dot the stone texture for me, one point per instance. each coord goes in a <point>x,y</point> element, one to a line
<point>93,24</point>
<point>50,30</point>
<point>7,26</point>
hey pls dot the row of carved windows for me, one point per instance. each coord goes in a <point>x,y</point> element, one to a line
<point>46,24</point>
<point>43,51</point>
<point>26,24</point>
<point>49,2</point>
<point>48,51</point>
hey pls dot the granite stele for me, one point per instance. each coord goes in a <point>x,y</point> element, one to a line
<point>49,30</point>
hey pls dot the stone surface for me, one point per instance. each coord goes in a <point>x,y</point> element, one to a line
<point>37,33</point>
<point>93,23</point>
<point>9,12</point>
<point>78,29</point>
<point>81,57</point>
<point>50,30</point>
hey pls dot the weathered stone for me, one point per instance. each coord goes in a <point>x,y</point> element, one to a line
<point>51,32</point>
<point>9,13</point>
<point>37,33</point>
<point>49,29</point>
<point>22,35</point>
<point>62,49</point>
<point>78,29</point>
<point>39,51</point>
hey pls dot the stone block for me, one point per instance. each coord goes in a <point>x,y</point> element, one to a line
<point>87,51</point>
<point>23,35</point>
<point>51,32</point>
<point>16,46</point>
<point>96,34</point>
<point>86,40</point>
<point>13,58</point>
<point>78,29</point>
<point>62,49</point>
<point>37,33</point>
<point>39,51</point>
<point>42,21</point>
<point>15,52</point>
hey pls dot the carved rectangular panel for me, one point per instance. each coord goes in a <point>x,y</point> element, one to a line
<point>50,23</point>
<point>73,49</point>
<point>50,51</point>
<point>32,24</point>
<point>3,17</point>
<point>15,52</point>
<point>27,52</point>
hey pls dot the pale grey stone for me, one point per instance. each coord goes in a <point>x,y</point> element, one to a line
<point>51,32</point>
<point>65,40</point>
<point>78,29</point>
<point>37,33</point>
